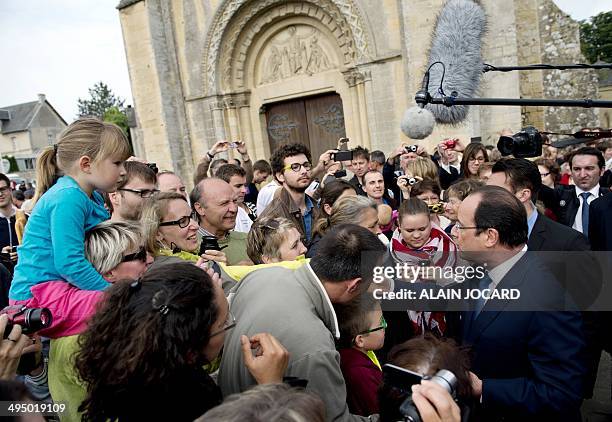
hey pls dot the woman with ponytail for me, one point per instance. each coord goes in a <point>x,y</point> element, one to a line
<point>142,355</point>
<point>89,156</point>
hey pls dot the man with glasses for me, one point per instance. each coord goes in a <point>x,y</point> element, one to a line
<point>528,357</point>
<point>291,166</point>
<point>138,184</point>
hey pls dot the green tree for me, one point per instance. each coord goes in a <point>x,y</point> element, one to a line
<point>116,116</point>
<point>101,98</point>
<point>13,167</point>
<point>596,37</point>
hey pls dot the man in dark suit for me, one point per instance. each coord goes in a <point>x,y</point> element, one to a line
<point>568,202</point>
<point>576,269</point>
<point>528,359</point>
<point>600,226</point>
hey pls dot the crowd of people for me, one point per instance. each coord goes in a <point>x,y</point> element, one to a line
<point>250,297</point>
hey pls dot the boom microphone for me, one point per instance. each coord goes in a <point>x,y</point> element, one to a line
<point>456,43</point>
<point>455,66</point>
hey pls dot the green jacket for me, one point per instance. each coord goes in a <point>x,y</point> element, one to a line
<point>294,307</point>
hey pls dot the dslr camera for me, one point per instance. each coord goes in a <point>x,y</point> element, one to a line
<point>525,144</point>
<point>30,319</point>
<point>343,153</point>
<point>403,379</point>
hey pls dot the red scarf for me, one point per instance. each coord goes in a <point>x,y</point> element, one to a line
<point>439,251</point>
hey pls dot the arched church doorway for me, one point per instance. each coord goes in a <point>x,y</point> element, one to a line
<point>316,121</point>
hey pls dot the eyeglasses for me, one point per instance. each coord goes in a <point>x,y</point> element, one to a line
<point>544,174</point>
<point>458,226</point>
<point>229,324</point>
<point>144,193</point>
<point>141,255</point>
<point>5,189</point>
<point>181,222</point>
<point>297,166</point>
<point>481,159</point>
<point>383,326</point>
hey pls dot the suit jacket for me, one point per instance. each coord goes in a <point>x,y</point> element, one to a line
<point>564,202</point>
<point>354,182</point>
<point>548,235</point>
<point>531,362</point>
<point>446,178</point>
<point>600,223</point>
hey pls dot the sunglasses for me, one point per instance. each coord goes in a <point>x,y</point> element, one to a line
<point>141,255</point>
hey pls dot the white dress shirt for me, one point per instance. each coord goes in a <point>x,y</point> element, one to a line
<point>498,273</point>
<point>594,195</point>
<point>243,221</point>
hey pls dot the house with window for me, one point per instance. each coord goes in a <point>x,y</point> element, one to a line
<point>25,129</point>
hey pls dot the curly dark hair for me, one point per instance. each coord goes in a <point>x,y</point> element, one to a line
<point>131,343</point>
<point>277,161</point>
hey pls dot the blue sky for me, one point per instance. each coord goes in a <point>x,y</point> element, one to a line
<point>62,47</point>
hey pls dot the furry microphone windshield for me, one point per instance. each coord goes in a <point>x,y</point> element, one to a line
<point>457,44</point>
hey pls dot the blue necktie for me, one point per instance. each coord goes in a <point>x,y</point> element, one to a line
<point>585,212</point>
<point>483,284</point>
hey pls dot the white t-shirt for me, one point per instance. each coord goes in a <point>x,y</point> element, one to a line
<point>243,221</point>
<point>266,195</point>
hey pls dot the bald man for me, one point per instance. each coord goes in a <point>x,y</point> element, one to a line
<point>216,206</point>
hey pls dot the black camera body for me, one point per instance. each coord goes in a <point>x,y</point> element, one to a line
<point>210,243</point>
<point>525,144</point>
<point>411,148</point>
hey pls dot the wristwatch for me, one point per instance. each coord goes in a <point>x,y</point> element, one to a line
<point>212,157</point>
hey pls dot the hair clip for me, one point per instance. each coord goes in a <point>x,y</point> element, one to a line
<point>163,309</point>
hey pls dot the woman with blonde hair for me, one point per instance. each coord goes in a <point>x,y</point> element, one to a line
<point>358,210</point>
<point>274,240</point>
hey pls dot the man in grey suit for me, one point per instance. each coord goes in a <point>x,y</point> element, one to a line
<point>295,305</point>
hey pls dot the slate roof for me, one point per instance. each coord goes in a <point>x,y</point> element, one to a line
<point>20,116</point>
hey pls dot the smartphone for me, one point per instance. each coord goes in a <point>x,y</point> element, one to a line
<point>399,377</point>
<point>233,145</point>
<point>342,156</point>
<point>339,174</point>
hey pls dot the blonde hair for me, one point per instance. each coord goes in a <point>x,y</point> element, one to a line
<point>345,210</point>
<point>106,243</point>
<point>84,137</point>
<point>422,167</point>
<point>153,211</point>
<point>266,236</point>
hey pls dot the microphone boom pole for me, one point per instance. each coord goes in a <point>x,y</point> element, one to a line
<point>450,101</point>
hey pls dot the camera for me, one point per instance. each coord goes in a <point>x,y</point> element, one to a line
<point>436,208</point>
<point>411,148</point>
<point>450,143</point>
<point>527,143</point>
<point>153,167</point>
<point>411,181</point>
<point>444,378</point>
<point>210,243</point>
<point>30,319</point>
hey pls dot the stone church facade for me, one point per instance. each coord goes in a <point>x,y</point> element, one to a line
<point>274,71</point>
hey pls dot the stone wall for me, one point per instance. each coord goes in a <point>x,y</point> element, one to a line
<point>560,44</point>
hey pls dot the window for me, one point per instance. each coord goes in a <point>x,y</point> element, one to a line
<point>29,163</point>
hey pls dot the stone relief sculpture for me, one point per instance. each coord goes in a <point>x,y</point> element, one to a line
<point>292,52</point>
